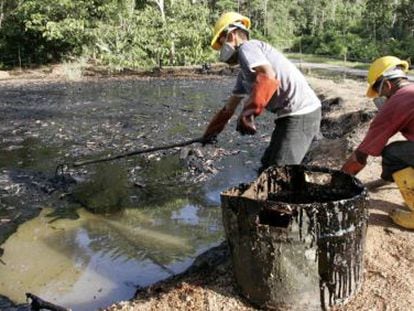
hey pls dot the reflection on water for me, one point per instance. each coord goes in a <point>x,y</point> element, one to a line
<point>106,192</point>
<point>96,260</point>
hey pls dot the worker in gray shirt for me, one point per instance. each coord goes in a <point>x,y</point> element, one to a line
<point>267,80</point>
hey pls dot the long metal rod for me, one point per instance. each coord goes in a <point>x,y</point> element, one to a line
<point>135,152</point>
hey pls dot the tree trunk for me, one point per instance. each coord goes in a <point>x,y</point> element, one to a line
<point>1,12</point>
<point>160,4</point>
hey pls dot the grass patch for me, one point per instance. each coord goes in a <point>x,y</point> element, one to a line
<point>73,71</point>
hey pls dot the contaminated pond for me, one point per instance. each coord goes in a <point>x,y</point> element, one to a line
<point>89,236</point>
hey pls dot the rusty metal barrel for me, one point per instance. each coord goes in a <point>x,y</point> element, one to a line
<point>296,237</point>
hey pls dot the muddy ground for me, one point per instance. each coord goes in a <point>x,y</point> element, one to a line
<point>208,285</point>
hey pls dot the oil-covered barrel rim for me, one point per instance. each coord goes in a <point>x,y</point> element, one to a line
<point>261,188</point>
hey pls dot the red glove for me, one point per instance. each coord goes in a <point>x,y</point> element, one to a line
<point>352,166</point>
<point>217,124</point>
<point>263,90</point>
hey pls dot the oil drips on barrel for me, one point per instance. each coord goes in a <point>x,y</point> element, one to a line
<point>328,218</point>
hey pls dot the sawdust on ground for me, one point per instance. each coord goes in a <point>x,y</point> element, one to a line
<point>389,252</point>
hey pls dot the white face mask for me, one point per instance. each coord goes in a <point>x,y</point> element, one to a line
<point>226,52</point>
<point>379,101</point>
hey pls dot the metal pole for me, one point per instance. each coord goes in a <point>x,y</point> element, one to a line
<point>135,152</point>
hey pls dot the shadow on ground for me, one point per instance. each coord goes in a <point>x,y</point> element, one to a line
<point>381,219</point>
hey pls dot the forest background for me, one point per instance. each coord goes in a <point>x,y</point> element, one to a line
<point>143,34</point>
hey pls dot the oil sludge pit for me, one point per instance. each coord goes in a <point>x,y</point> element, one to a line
<point>296,237</point>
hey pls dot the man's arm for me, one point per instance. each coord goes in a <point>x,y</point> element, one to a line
<point>263,89</point>
<point>265,69</point>
<point>220,119</point>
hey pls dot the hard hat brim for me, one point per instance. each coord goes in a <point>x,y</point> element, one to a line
<point>406,65</point>
<point>215,44</point>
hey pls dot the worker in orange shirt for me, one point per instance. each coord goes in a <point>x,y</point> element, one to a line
<point>387,78</point>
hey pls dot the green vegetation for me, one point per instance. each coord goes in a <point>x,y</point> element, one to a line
<point>139,33</point>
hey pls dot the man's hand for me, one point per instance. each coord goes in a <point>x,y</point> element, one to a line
<point>220,119</point>
<point>217,124</point>
<point>263,89</point>
<point>353,165</point>
<point>245,125</point>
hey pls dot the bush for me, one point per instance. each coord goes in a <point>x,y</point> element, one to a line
<point>145,40</point>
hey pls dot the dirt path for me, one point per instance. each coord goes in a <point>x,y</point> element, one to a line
<point>389,272</point>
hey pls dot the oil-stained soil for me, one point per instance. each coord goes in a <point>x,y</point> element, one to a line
<point>60,124</point>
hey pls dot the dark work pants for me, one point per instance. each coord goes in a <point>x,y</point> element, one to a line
<point>395,157</point>
<point>291,139</point>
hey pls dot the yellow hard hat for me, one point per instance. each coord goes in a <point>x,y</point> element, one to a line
<point>379,67</point>
<point>223,22</point>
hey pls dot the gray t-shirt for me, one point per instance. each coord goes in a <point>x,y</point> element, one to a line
<point>294,95</point>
